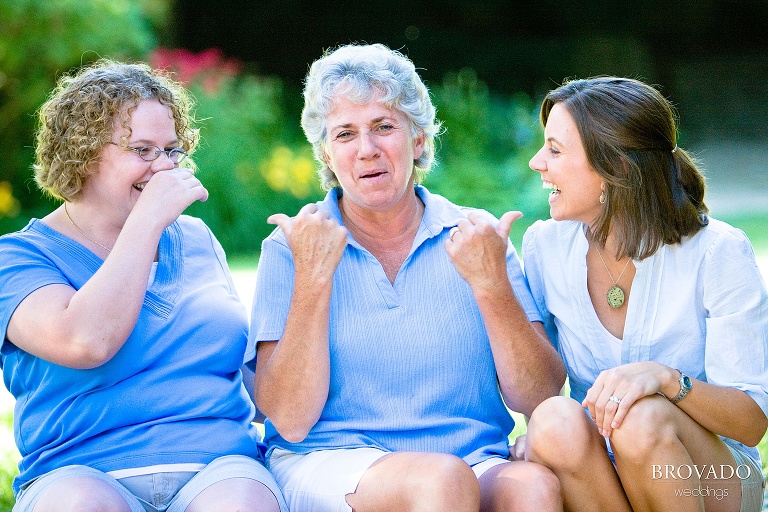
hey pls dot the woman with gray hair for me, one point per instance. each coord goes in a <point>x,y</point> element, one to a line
<point>385,374</point>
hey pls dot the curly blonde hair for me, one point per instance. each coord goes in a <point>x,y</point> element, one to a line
<point>78,120</point>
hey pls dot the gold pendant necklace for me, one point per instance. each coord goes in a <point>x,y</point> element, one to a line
<point>615,295</point>
<point>82,233</point>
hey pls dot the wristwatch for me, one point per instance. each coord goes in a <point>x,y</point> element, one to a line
<point>685,386</point>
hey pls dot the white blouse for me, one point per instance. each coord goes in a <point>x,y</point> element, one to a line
<point>699,306</point>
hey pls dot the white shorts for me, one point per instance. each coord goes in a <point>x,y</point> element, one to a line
<point>319,481</point>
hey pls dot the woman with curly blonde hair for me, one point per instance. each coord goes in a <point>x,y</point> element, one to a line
<point>123,335</point>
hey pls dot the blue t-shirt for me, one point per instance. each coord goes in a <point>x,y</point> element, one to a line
<point>172,394</point>
<point>411,362</point>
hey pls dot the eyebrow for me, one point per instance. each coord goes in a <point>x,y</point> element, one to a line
<point>372,121</point>
<point>553,139</point>
<point>148,142</point>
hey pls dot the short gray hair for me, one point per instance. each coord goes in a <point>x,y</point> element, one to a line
<point>362,73</point>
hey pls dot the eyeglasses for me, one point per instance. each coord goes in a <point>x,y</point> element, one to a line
<point>150,153</point>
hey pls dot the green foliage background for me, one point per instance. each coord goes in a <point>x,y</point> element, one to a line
<point>253,157</point>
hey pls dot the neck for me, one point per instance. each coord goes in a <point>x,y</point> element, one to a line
<point>609,249</point>
<point>393,223</point>
<point>87,228</point>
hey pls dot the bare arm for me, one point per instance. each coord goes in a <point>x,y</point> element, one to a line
<point>528,367</point>
<point>293,376</point>
<point>85,328</point>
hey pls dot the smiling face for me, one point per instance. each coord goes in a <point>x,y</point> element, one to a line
<point>565,170</point>
<point>371,150</point>
<point>121,173</point>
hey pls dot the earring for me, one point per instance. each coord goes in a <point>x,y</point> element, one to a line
<point>602,197</point>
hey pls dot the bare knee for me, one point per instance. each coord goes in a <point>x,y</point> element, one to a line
<point>560,433</point>
<point>446,480</point>
<point>520,486</point>
<point>648,426</point>
<point>417,482</point>
<point>81,494</point>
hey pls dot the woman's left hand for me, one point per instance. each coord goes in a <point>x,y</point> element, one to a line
<point>477,247</point>
<point>615,390</point>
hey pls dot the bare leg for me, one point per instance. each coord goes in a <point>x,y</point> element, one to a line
<point>520,486</point>
<point>81,494</point>
<point>562,437</point>
<point>233,495</point>
<point>655,435</point>
<point>417,482</point>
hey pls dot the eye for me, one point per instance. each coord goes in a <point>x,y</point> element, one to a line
<point>554,151</point>
<point>146,151</point>
<point>385,127</point>
<point>345,134</point>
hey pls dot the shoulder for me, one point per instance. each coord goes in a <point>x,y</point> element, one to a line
<point>440,213</point>
<point>192,225</point>
<point>36,237</point>
<point>546,235</point>
<point>718,239</point>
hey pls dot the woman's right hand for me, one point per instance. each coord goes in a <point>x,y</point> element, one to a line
<point>168,193</point>
<point>316,241</point>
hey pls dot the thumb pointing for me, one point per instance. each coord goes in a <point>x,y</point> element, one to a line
<point>505,223</point>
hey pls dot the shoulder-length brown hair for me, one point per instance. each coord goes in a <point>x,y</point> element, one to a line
<point>654,190</point>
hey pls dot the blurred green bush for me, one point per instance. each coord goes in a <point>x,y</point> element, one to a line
<point>38,41</point>
<point>253,157</point>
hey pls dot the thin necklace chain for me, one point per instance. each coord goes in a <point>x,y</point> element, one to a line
<point>83,233</point>
<point>615,281</point>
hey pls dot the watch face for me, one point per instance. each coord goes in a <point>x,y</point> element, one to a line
<point>687,381</point>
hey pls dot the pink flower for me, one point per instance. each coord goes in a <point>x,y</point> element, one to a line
<point>207,68</point>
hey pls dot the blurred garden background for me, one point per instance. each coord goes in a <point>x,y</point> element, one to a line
<point>487,63</point>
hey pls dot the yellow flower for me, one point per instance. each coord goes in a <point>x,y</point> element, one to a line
<point>286,172</point>
<point>9,205</point>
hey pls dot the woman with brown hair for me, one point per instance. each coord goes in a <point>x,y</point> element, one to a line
<point>658,310</point>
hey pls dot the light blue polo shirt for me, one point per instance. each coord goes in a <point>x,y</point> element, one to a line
<point>411,362</point>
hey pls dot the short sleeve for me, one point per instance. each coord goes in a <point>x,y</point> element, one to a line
<point>520,285</point>
<point>24,268</point>
<point>274,290</point>
<point>532,268</point>
<point>737,317</point>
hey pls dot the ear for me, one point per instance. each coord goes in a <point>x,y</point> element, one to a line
<point>418,144</point>
<point>326,157</point>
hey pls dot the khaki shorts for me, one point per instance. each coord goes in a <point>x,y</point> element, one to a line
<point>752,483</point>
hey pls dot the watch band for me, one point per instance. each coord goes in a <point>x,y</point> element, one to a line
<point>685,386</point>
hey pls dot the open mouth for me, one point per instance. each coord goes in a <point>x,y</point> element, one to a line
<point>551,186</point>
<point>372,174</point>
<point>139,186</point>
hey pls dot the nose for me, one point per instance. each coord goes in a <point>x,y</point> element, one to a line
<point>162,163</point>
<point>368,148</point>
<point>537,162</point>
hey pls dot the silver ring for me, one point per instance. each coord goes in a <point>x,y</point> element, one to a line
<point>452,232</point>
<point>615,399</point>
